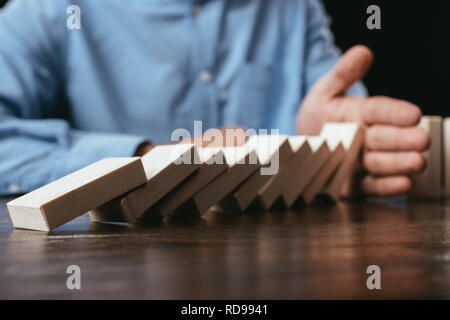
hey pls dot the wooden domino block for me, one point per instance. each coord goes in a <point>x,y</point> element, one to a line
<point>326,171</point>
<point>429,183</point>
<point>212,165</point>
<point>446,154</point>
<point>242,162</point>
<point>272,151</point>
<point>272,190</point>
<point>351,135</point>
<point>165,166</point>
<point>303,174</point>
<point>75,194</point>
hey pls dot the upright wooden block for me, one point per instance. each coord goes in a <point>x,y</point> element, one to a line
<point>165,166</point>
<point>272,190</point>
<point>272,151</point>
<point>326,171</point>
<point>242,162</point>
<point>429,183</point>
<point>446,154</point>
<point>212,165</point>
<point>75,194</point>
<point>351,135</point>
<point>302,175</point>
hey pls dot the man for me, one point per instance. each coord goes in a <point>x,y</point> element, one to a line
<point>138,69</point>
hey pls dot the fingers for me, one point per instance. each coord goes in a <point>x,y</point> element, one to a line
<point>350,68</point>
<point>386,186</point>
<point>393,163</point>
<point>389,111</point>
<point>390,138</point>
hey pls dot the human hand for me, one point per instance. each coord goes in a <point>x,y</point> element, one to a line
<point>393,143</point>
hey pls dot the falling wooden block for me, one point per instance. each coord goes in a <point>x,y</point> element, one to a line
<point>165,166</point>
<point>272,190</point>
<point>242,162</point>
<point>212,165</point>
<point>429,183</point>
<point>272,151</point>
<point>326,171</point>
<point>446,153</point>
<point>302,175</point>
<point>75,194</point>
<point>351,135</point>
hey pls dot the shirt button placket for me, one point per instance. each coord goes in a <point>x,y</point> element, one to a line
<point>204,72</point>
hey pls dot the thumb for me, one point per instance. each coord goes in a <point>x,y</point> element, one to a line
<point>350,68</point>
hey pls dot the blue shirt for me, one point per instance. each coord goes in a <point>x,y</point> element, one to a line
<point>138,69</point>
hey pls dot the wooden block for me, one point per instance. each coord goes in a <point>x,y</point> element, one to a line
<point>212,165</point>
<point>273,188</point>
<point>165,166</point>
<point>75,194</point>
<point>326,171</point>
<point>241,162</point>
<point>446,154</point>
<point>302,175</point>
<point>429,183</point>
<point>272,151</point>
<point>352,137</point>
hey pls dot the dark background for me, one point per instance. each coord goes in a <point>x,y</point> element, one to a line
<point>411,58</point>
<point>411,55</point>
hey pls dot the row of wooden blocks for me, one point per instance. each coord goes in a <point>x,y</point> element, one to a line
<point>434,182</point>
<point>180,178</point>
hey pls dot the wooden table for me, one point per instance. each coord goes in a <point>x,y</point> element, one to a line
<point>317,252</point>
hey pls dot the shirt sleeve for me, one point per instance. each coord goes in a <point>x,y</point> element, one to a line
<point>37,147</point>
<point>321,51</point>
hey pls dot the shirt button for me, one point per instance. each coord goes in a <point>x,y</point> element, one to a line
<point>14,188</point>
<point>206,76</point>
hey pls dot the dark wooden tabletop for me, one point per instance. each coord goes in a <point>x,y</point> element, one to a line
<point>316,252</point>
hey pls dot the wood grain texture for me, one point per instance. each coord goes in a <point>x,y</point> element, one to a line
<point>73,195</point>
<point>312,252</point>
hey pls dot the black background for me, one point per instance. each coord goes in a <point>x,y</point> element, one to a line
<point>411,58</point>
